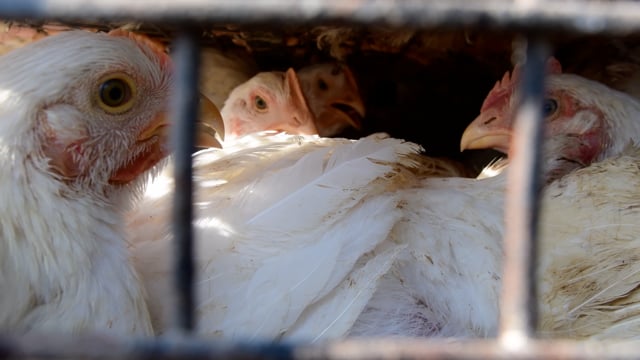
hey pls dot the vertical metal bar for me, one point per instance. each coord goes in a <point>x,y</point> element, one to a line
<point>185,112</point>
<point>519,296</point>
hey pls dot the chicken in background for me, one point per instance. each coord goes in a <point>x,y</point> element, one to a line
<point>270,100</point>
<point>332,94</point>
<point>330,89</point>
<point>603,119</point>
<point>83,121</point>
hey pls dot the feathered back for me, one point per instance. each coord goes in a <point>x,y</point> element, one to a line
<point>589,265</point>
<point>282,226</point>
<point>447,280</point>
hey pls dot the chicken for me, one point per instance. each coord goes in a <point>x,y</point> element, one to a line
<point>447,281</point>
<point>268,101</point>
<point>83,121</point>
<point>332,94</point>
<point>330,89</point>
<point>604,119</point>
<point>288,257</point>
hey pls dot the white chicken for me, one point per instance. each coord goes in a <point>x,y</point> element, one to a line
<point>447,281</point>
<point>270,100</point>
<point>605,120</point>
<point>330,89</point>
<point>83,118</point>
<point>286,259</point>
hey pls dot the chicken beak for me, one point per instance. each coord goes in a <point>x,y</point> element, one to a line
<point>158,127</point>
<point>210,127</point>
<point>153,139</point>
<point>353,111</point>
<point>352,106</point>
<point>487,131</point>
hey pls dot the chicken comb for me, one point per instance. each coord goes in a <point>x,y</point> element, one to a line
<point>503,89</point>
<point>145,42</point>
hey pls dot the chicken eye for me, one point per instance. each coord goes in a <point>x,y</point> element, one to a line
<point>260,103</point>
<point>116,93</point>
<point>322,85</point>
<point>549,107</point>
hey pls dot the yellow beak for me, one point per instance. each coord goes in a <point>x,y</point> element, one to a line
<point>210,128</point>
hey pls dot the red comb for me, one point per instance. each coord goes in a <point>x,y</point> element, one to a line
<point>145,42</point>
<point>504,88</point>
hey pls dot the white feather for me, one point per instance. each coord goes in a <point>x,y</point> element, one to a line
<point>589,269</point>
<point>447,280</point>
<point>279,226</point>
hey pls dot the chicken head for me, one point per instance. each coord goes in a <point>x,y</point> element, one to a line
<point>82,118</point>
<point>333,96</point>
<point>603,120</point>
<point>110,121</point>
<point>268,101</point>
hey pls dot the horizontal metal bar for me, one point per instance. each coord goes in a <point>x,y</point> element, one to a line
<point>101,347</point>
<point>572,15</point>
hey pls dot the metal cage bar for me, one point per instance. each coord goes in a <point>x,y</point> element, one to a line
<point>584,16</point>
<point>519,301</point>
<point>184,116</point>
<point>55,346</point>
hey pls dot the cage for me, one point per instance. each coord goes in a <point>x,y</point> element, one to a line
<point>415,62</point>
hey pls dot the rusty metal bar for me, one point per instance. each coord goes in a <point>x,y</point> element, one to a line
<point>53,346</point>
<point>185,113</point>
<point>519,301</point>
<point>620,17</point>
